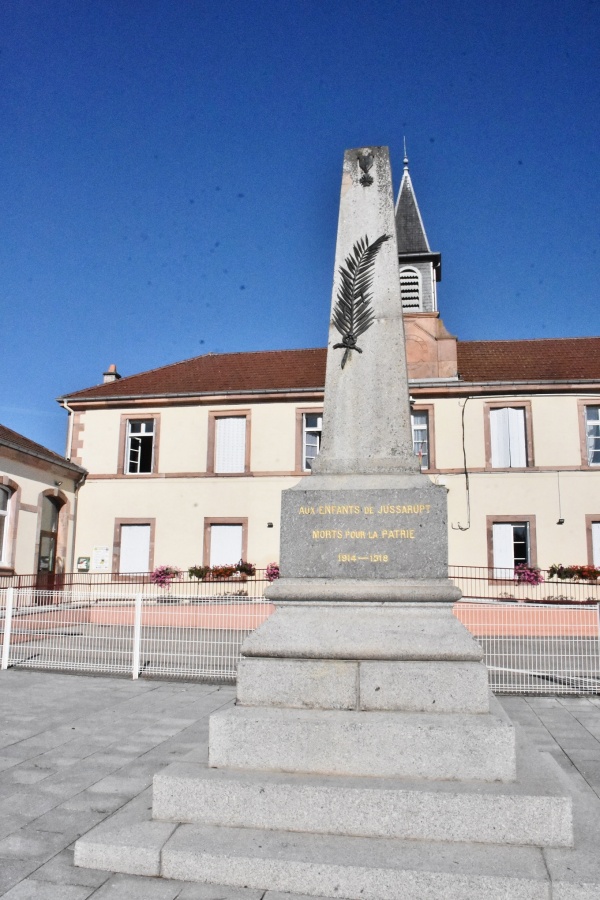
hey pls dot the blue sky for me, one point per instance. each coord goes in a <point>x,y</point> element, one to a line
<point>170,173</point>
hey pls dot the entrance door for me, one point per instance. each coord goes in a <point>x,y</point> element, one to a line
<point>47,576</point>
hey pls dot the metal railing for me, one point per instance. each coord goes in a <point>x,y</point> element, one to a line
<point>530,648</point>
<point>137,629</point>
<point>478,583</point>
<point>193,629</point>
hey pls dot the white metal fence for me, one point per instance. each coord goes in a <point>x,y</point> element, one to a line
<point>530,648</point>
<point>168,634</point>
<point>179,632</point>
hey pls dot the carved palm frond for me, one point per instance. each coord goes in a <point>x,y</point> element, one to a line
<point>353,313</point>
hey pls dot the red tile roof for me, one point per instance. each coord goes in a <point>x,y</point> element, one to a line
<point>563,359</point>
<point>548,359</point>
<point>17,441</point>
<point>272,370</point>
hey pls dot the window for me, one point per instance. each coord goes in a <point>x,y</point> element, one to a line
<point>511,541</point>
<point>140,447</point>
<point>596,544</point>
<point>593,539</point>
<point>420,436</point>
<point>592,435</point>
<point>229,443</point>
<point>4,498</point>
<point>225,544</point>
<point>508,438</point>
<point>134,549</point>
<point>225,541</point>
<point>410,289</point>
<point>312,426</point>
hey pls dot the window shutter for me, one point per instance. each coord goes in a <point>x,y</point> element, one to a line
<point>135,549</point>
<point>410,289</point>
<point>230,444</point>
<point>507,430</point>
<point>225,544</point>
<point>503,550</point>
<point>596,543</point>
<point>516,438</point>
<point>500,440</point>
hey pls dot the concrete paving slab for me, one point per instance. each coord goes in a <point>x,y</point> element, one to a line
<point>128,887</point>
<point>13,871</point>
<point>37,890</point>
<point>220,892</point>
<point>61,870</point>
<point>106,716</point>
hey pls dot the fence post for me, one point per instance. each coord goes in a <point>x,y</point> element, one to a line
<point>137,636</point>
<point>7,626</point>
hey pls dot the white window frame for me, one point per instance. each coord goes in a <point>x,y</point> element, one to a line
<point>132,466</point>
<point>417,437</point>
<point>5,520</point>
<point>312,430</point>
<point>595,541</point>
<point>503,548</point>
<point>414,273</point>
<point>222,534</point>
<point>592,440</point>
<point>508,437</point>
<point>126,529</point>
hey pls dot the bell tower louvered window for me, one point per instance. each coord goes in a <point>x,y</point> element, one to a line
<point>410,289</point>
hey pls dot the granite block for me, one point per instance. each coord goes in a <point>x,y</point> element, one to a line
<point>124,845</point>
<point>534,810</point>
<point>339,742</point>
<point>424,686</point>
<point>353,868</point>
<point>306,683</point>
<point>363,632</point>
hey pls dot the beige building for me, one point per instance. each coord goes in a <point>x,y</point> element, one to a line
<point>37,509</point>
<point>187,463</point>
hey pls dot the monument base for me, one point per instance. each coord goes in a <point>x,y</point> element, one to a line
<point>362,761</point>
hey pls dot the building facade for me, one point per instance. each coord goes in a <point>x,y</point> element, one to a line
<point>187,463</point>
<point>37,509</point>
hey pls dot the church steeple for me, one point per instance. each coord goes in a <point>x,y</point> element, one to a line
<point>420,268</point>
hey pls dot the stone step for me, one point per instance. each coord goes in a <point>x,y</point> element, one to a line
<point>535,810</point>
<point>353,868</point>
<point>384,744</point>
<point>332,866</point>
<point>346,867</point>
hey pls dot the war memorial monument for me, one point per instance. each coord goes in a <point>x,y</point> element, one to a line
<point>365,757</point>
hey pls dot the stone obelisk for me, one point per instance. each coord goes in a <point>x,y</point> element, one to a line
<point>367,525</point>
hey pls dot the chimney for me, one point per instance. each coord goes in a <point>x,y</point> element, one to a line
<point>111,374</point>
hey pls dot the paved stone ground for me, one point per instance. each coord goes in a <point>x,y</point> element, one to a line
<point>74,749</point>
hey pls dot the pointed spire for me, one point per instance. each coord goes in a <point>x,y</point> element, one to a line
<point>409,224</point>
